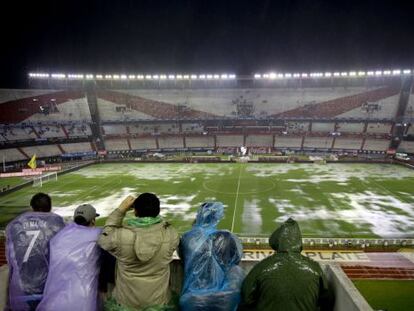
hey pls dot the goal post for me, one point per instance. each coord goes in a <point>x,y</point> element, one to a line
<point>40,180</point>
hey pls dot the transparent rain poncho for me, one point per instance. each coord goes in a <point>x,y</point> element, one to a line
<point>212,277</point>
<point>72,283</point>
<point>28,239</point>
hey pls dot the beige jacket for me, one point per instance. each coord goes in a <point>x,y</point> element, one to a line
<point>143,256</point>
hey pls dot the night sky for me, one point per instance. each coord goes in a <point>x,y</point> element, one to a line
<point>241,37</point>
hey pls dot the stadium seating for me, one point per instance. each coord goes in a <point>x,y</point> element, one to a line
<point>379,128</point>
<point>11,154</point>
<point>114,129</point>
<point>297,127</point>
<point>116,144</point>
<point>143,143</point>
<point>229,141</point>
<point>288,142</point>
<point>348,143</point>
<point>170,142</point>
<point>344,127</point>
<point>323,127</point>
<point>43,106</point>
<point>77,147</point>
<point>338,106</point>
<point>192,128</point>
<point>199,141</point>
<point>318,142</point>
<point>259,141</point>
<point>406,146</point>
<point>78,130</point>
<point>376,144</point>
<point>42,151</point>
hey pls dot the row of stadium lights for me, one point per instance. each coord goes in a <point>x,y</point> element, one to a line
<point>270,76</point>
<point>377,73</point>
<point>133,77</point>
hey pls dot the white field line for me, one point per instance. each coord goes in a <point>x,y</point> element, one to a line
<point>235,203</point>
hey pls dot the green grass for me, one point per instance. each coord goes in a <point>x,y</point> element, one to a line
<point>334,200</point>
<point>11,181</point>
<point>388,295</point>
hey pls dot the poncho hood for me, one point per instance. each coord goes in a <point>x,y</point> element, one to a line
<point>287,238</point>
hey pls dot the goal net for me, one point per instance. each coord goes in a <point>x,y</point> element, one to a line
<point>39,181</point>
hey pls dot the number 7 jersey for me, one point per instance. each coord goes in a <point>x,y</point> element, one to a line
<point>27,252</point>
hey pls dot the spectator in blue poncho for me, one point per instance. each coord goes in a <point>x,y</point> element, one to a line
<point>212,277</point>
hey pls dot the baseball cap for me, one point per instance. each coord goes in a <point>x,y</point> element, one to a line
<point>87,211</point>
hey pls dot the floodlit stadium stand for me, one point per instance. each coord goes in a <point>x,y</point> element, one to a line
<point>288,142</point>
<point>348,143</point>
<point>376,144</point>
<point>318,142</point>
<point>42,151</point>
<point>170,142</point>
<point>229,141</point>
<point>199,141</point>
<point>259,141</point>
<point>12,154</point>
<point>143,143</point>
<point>77,147</point>
<point>323,127</point>
<point>345,127</point>
<point>116,144</point>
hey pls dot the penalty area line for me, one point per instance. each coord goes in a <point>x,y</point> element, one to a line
<point>235,203</point>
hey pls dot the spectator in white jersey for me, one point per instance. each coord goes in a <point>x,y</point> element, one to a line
<point>27,252</point>
<point>72,282</point>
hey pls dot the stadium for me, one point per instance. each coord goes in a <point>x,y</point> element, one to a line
<point>333,150</point>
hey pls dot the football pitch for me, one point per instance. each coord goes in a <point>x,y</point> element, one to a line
<point>332,200</point>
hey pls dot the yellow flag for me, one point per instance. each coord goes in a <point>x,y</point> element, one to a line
<point>32,162</point>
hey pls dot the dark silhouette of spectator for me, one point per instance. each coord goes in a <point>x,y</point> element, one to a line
<point>286,280</point>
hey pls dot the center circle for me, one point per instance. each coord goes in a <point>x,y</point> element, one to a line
<point>246,186</point>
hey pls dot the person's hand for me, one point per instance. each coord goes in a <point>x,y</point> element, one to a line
<point>127,203</point>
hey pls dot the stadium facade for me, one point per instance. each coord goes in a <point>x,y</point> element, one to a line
<point>72,115</point>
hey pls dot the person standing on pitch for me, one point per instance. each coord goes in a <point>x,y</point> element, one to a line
<point>72,282</point>
<point>143,249</point>
<point>27,252</point>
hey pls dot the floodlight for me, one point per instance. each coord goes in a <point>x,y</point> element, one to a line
<point>257,76</point>
<point>407,71</point>
<point>296,75</point>
<point>396,72</point>
<point>224,76</point>
<point>108,77</point>
<point>89,76</point>
<point>352,73</point>
<point>387,72</point>
<point>163,77</point>
<point>171,77</point>
<point>361,73</point>
<point>202,76</point>
<point>132,77</point>
<point>156,77</point>
<point>280,75</point>
<point>266,76</point>
<point>336,74</point>
<point>179,77</point>
<point>378,73</point>
<point>115,77</point>
<point>232,76</point>
<point>216,77</point>
<point>272,75</point>
<point>304,75</point>
<point>209,76</point>
<point>123,77</point>
<point>193,77</point>
<point>344,74</point>
<point>186,77</point>
<point>370,73</point>
<point>328,74</point>
<point>148,77</point>
<point>58,75</point>
<point>288,75</point>
<point>99,77</point>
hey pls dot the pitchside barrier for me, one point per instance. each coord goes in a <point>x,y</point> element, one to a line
<point>338,242</point>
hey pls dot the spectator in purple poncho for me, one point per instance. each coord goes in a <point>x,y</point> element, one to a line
<point>72,283</point>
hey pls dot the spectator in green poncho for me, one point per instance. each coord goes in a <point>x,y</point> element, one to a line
<point>286,280</point>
